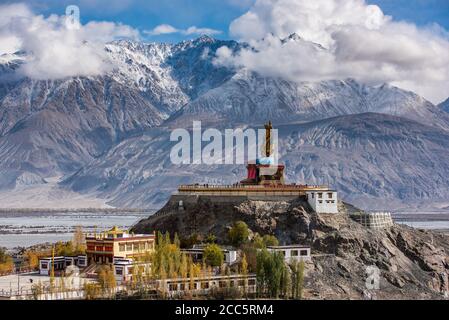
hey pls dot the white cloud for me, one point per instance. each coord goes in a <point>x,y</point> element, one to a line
<point>359,42</point>
<point>56,51</point>
<point>195,30</point>
<point>162,29</point>
<point>168,29</point>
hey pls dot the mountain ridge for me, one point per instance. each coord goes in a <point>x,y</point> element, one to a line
<point>139,171</point>
<point>65,127</point>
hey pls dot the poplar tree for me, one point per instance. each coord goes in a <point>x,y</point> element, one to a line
<point>79,241</point>
<point>244,272</point>
<point>183,268</point>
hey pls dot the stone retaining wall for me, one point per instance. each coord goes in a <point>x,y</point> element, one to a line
<point>374,220</point>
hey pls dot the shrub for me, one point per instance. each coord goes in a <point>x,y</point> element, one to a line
<point>238,234</point>
<point>270,240</point>
<point>213,255</point>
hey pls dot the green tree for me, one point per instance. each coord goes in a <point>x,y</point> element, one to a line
<point>297,281</point>
<point>183,268</point>
<point>176,240</point>
<point>211,238</point>
<point>64,248</point>
<point>270,240</point>
<point>250,251</point>
<point>244,265</point>
<point>286,283</point>
<point>193,239</point>
<point>238,234</point>
<point>213,255</point>
<point>270,269</point>
<point>244,271</point>
<point>265,241</point>
<point>258,241</point>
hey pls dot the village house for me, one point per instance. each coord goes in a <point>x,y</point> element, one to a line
<point>125,269</point>
<point>103,247</point>
<point>229,254</point>
<point>293,252</point>
<point>61,263</point>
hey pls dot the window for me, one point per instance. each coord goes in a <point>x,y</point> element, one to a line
<point>252,282</point>
<point>121,247</point>
<point>329,195</point>
<point>320,201</point>
<point>173,287</point>
<point>44,265</point>
<point>294,253</point>
<point>129,247</point>
<point>118,271</point>
<point>241,283</point>
<point>222,284</point>
<point>204,285</point>
<point>320,195</point>
<point>303,253</point>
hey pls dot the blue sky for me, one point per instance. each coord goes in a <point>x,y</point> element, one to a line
<point>214,14</point>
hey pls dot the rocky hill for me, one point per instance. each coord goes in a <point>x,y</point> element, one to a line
<point>413,264</point>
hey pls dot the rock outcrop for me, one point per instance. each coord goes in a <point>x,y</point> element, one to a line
<point>411,263</point>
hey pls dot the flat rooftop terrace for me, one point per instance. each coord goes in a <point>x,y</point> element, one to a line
<point>243,190</point>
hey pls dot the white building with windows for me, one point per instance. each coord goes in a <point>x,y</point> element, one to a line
<point>61,263</point>
<point>125,268</point>
<point>323,201</point>
<point>229,254</point>
<point>294,252</point>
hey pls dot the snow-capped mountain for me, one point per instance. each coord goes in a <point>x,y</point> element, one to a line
<point>445,105</point>
<point>109,134</point>
<point>169,75</point>
<point>250,98</point>
<point>53,128</point>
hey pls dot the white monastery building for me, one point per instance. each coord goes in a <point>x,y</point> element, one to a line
<point>323,201</point>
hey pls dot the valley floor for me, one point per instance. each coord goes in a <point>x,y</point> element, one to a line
<point>48,195</point>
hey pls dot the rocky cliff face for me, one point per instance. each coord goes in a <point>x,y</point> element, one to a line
<point>49,128</point>
<point>413,263</point>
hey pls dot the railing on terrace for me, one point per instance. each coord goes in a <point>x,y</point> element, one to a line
<point>250,187</point>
